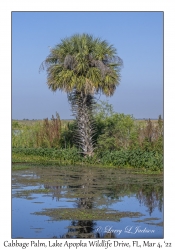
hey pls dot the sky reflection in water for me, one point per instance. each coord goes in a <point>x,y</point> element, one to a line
<point>64,191</point>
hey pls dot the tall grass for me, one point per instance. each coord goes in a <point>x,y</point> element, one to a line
<point>120,141</point>
<point>45,134</point>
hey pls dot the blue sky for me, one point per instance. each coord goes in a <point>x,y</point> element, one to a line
<point>137,36</point>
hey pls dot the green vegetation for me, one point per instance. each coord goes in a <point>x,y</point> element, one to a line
<point>125,158</point>
<point>83,66</point>
<point>45,134</point>
<point>121,141</point>
<point>85,214</point>
<point>92,197</point>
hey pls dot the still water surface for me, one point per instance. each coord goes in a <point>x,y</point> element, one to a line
<point>86,202</point>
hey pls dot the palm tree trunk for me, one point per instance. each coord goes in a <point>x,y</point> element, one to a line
<point>82,106</point>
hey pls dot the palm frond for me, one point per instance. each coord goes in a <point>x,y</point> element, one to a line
<point>81,66</point>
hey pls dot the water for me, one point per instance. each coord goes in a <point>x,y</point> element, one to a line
<point>84,202</point>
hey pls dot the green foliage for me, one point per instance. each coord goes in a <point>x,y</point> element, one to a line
<point>124,158</point>
<point>15,125</point>
<point>121,141</point>
<point>133,158</point>
<point>84,63</point>
<point>70,155</point>
<point>114,131</point>
<point>44,134</point>
<point>67,135</point>
<point>122,132</point>
<point>103,110</point>
<point>150,136</point>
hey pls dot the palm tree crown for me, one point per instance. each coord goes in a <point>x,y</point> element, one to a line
<point>83,63</point>
<point>83,66</point>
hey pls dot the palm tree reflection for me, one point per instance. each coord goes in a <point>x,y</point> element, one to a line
<point>89,196</point>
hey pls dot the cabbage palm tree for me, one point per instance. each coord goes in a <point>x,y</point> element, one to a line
<point>83,66</point>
